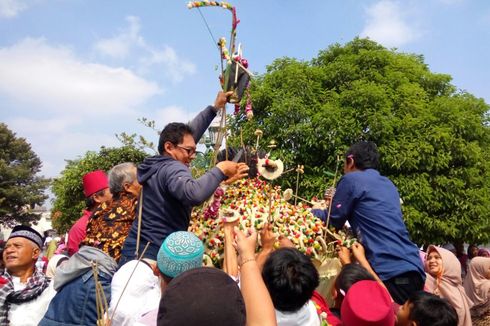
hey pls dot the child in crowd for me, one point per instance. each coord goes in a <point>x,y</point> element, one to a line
<point>138,303</point>
<point>291,279</point>
<point>425,309</point>
<point>349,275</point>
<point>367,303</point>
<point>209,296</point>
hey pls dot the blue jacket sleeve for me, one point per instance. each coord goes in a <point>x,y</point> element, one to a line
<point>201,122</point>
<point>342,203</point>
<point>320,213</point>
<point>190,191</point>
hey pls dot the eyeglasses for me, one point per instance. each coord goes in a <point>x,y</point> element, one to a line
<point>189,151</point>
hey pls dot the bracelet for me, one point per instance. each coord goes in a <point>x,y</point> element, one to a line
<point>246,261</point>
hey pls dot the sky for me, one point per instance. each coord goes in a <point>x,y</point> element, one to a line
<point>73,73</point>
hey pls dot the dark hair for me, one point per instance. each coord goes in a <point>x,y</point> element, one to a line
<point>90,201</point>
<point>202,296</point>
<point>290,278</point>
<point>174,132</point>
<point>349,275</point>
<point>2,263</point>
<point>365,155</point>
<point>470,254</point>
<point>248,156</point>
<point>427,309</point>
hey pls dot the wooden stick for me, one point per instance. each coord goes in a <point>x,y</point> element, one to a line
<point>97,294</point>
<point>270,206</point>
<point>297,187</point>
<point>334,181</point>
<point>302,199</point>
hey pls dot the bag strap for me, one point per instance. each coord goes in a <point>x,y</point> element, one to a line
<point>138,235</point>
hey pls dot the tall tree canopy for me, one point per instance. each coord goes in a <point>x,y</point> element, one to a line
<point>68,188</point>
<point>433,139</point>
<point>20,186</point>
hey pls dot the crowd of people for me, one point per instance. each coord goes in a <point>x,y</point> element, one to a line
<point>129,260</point>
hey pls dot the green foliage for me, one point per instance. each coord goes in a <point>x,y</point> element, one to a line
<point>68,188</point>
<point>432,138</point>
<point>138,141</point>
<point>20,188</point>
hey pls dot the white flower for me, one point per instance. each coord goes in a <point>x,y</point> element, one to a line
<point>287,194</point>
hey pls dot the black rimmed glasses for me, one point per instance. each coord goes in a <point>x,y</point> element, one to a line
<point>190,151</point>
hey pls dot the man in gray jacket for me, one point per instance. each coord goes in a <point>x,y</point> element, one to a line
<point>169,190</point>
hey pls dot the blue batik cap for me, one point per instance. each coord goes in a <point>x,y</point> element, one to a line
<point>180,252</point>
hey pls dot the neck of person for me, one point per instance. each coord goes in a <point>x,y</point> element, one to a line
<point>23,274</point>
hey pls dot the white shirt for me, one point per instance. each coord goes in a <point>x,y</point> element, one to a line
<point>141,295</point>
<point>305,316</point>
<point>31,312</point>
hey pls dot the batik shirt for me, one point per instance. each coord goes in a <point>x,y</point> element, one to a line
<point>109,226</point>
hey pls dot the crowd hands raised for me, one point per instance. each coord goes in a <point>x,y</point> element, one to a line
<point>129,260</point>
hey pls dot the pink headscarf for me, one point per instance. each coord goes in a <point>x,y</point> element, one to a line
<point>483,252</point>
<point>448,284</point>
<point>477,286</point>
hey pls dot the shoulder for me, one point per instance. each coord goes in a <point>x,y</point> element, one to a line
<point>81,223</point>
<point>172,166</point>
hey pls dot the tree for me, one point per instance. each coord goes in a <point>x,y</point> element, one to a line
<point>68,188</point>
<point>20,187</point>
<point>433,139</point>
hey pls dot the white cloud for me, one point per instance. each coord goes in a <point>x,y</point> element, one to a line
<point>171,113</point>
<point>130,42</point>
<point>120,45</point>
<point>52,78</point>
<point>55,139</point>
<point>64,105</point>
<point>11,8</point>
<point>387,23</point>
<point>175,68</point>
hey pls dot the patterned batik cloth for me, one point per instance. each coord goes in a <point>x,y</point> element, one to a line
<point>109,226</point>
<point>36,284</point>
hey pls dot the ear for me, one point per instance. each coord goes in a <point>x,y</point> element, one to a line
<point>126,186</point>
<point>35,253</point>
<point>350,162</point>
<point>168,146</point>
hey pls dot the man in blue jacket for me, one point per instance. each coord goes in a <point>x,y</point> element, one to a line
<point>371,204</point>
<point>169,190</point>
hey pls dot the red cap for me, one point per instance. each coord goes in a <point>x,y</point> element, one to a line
<point>367,303</point>
<point>94,181</point>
